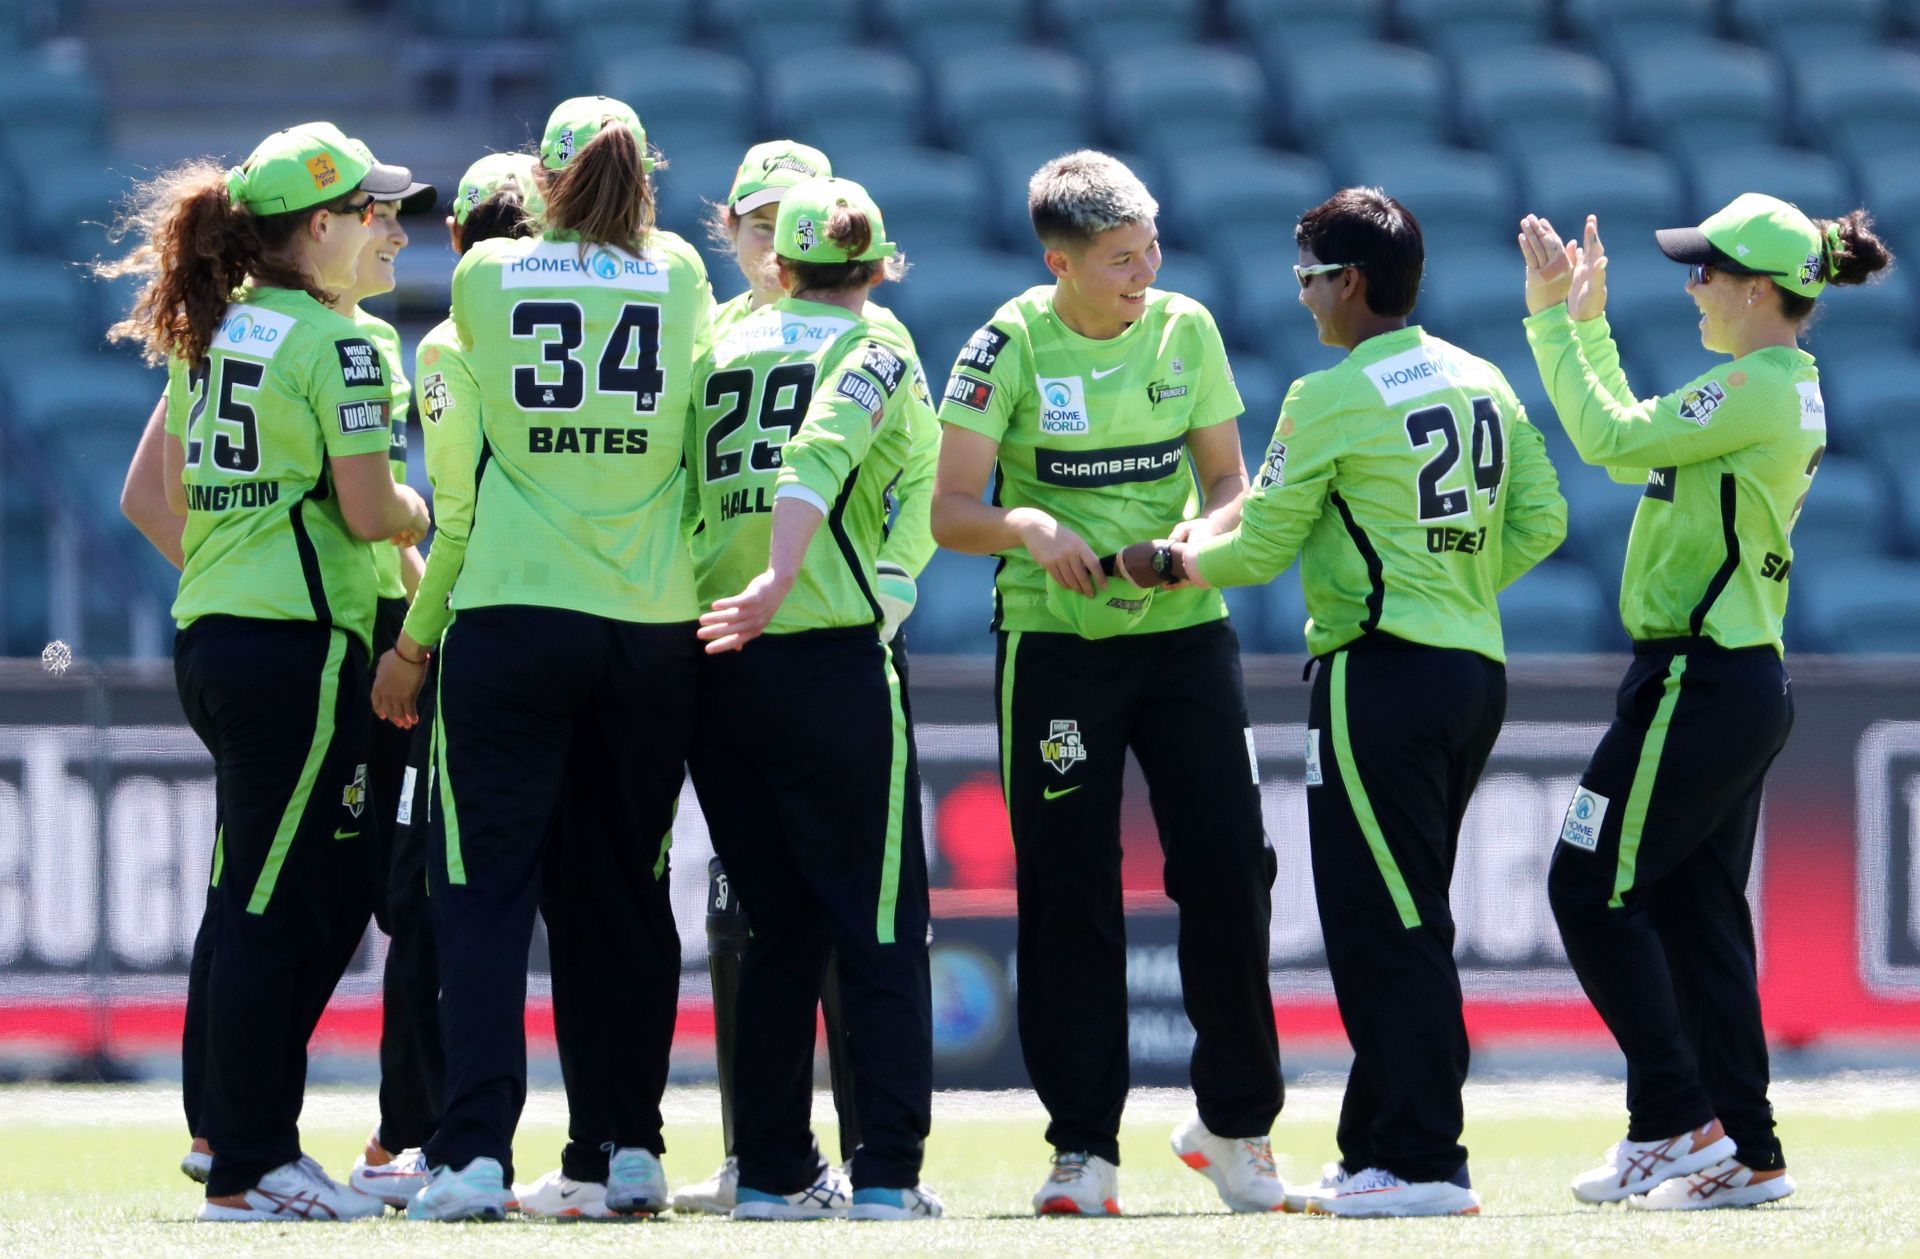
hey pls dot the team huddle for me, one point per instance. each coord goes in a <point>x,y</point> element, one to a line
<point>676,538</point>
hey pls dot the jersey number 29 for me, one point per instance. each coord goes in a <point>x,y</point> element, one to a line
<point>1439,423</point>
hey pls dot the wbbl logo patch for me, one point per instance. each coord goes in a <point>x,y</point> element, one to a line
<point>1062,749</point>
<point>435,401</point>
<point>1274,470</point>
<point>353,797</point>
<point>1699,404</point>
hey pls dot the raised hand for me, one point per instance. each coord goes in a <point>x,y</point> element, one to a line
<point>1549,264</point>
<point>1587,290</point>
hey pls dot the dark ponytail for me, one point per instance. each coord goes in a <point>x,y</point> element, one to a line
<point>502,214</point>
<point>850,230</point>
<point>603,194</point>
<point>1861,253</point>
<point>197,250</point>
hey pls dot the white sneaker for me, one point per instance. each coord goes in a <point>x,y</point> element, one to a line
<point>1374,1192</point>
<point>1332,1176</point>
<point>393,1182</point>
<point>636,1183</point>
<point>1728,1183</point>
<point>1241,1168</point>
<point>294,1192</point>
<point>1636,1166</point>
<point>1079,1184</point>
<point>559,1196</point>
<point>825,1199</point>
<point>917,1203</point>
<point>712,1196</point>
<point>477,1191</point>
<point>196,1165</point>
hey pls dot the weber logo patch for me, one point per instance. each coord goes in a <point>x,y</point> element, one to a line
<point>983,348</point>
<point>862,391</point>
<point>359,363</point>
<point>1584,818</point>
<point>1698,405</point>
<point>970,393</point>
<point>884,366</point>
<point>435,401</point>
<point>362,417</point>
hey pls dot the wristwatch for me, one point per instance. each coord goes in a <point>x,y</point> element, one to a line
<point>1166,566</point>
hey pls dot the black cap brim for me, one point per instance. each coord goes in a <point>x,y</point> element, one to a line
<point>1691,246</point>
<point>417,199</point>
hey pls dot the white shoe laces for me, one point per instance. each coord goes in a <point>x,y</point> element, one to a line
<point>1371,1179</point>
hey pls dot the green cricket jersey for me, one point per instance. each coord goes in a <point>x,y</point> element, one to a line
<point>1413,488</point>
<point>286,384</point>
<point>1095,434</point>
<point>581,358</point>
<point>801,399</point>
<point>455,450</point>
<point>386,557</point>
<point>910,537</point>
<point>1727,460</point>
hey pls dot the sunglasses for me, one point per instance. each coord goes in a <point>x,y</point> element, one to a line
<point>362,210</point>
<point>1699,272</point>
<point>1305,274</point>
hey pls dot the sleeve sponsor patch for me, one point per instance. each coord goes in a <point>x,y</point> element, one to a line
<point>885,366</point>
<point>920,384</point>
<point>362,417</point>
<point>968,392</point>
<point>435,401</point>
<point>1274,470</point>
<point>862,391</point>
<point>1699,404</point>
<point>983,349</point>
<point>359,363</point>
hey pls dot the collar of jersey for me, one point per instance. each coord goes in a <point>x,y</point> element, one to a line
<point>802,305</point>
<point>1386,343</point>
<point>1090,342</point>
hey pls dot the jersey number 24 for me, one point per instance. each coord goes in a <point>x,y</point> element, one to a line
<point>1439,424</point>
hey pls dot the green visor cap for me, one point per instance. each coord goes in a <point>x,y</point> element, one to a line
<point>800,233</point>
<point>1110,612</point>
<point>769,169</point>
<point>576,121</point>
<point>1755,235</point>
<point>488,175</point>
<point>312,163</point>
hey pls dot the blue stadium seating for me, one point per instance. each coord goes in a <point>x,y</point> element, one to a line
<point>995,96</point>
<point>951,292</point>
<point>768,30</point>
<point>69,393</point>
<point>1458,195</point>
<point>1558,607</point>
<point>1460,27</point>
<point>955,604</point>
<point>932,30</point>
<point>931,199</point>
<point>1866,103</point>
<point>1848,513</point>
<point>1013,166</point>
<point>1519,99</point>
<point>876,99</point>
<point>1177,101</point>
<point>1193,275</point>
<point>1812,180</point>
<point>1701,96</point>
<point>1230,200</point>
<point>43,307</point>
<point>1796,30</point>
<point>1284,613</point>
<point>684,189</point>
<point>1286,33</point>
<point>1615,27</point>
<point>1895,447</point>
<point>1387,95</point>
<point>1633,191</point>
<point>689,98</point>
<point>1103,29</point>
<point>1858,605</point>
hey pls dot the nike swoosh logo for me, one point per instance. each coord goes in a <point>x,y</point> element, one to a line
<point>1100,375</point>
<point>568,1193</point>
<point>340,834</point>
<point>1051,794</point>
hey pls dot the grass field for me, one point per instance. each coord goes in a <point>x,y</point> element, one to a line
<point>92,1172</point>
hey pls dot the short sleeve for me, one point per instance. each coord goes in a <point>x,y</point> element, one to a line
<point>987,381</point>
<point>1218,398</point>
<point>350,393</point>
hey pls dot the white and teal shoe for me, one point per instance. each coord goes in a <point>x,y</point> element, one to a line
<point>636,1183</point>
<point>824,1199</point>
<point>917,1203</point>
<point>477,1191</point>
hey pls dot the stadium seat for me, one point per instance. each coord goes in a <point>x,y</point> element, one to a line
<point>688,98</point>
<point>1102,29</point>
<point>1194,276</point>
<point>43,307</point>
<point>931,30</point>
<point>1660,346</point>
<point>24,547</point>
<point>1633,191</point>
<point>1368,94</point>
<point>472,19</point>
<point>1848,512</point>
<point>768,30</point>
<point>1248,608</point>
<point>687,186</point>
<point>1599,518</point>
<point>990,97</point>
<point>1793,29</point>
<point>1867,103</point>
<point>1519,99</point>
<point>1616,27</point>
<point>1470,284</point>
<point>1892,190</point>
<point>1557,607</point>
<point>1284,613</point>
<point>931,199</point>
<point>1897,445</point>
<point>1232,198</point>
<point>1458,28</point>
<point>96,401</point>
<point>1859,605</point>
<point>1814,181</point>
<point>1285,33</point>
<point>1852,319</point>
<point>1263,387</point>
<point>955,605</point>
<point>664,20</point>
<point>951,292</point>
<point>877,99</point>
<point>1697,97</point>
<point>1864,407</point>
<point>1174,102</point>
<point>51,98</point>
<point>1457,194</point>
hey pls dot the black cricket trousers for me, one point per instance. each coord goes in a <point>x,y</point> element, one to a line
<point>1069,710</point>
<point>283,708</point>
<point>1649,880</point>
<point>801,767</point>
<point>524,691</point>
<point>1397,736</point>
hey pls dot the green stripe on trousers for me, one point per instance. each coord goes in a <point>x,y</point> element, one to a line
<point>456,868</point>
<point>1006,720</point>
<point>1363,807</point>
<point>896,804</point>
<point>1640,795</point>
<point>309,771</point>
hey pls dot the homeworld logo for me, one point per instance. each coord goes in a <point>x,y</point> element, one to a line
<point>1063,405</point>
<point>1062,749</point>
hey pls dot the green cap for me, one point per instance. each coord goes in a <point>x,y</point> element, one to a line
<point>309,164</point>
<point>1756,235</point>
<point>486,176</point>
<point>576,121</point>
<point>1110,612</point>
<point>801,231</point>
<point>769,169</point>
